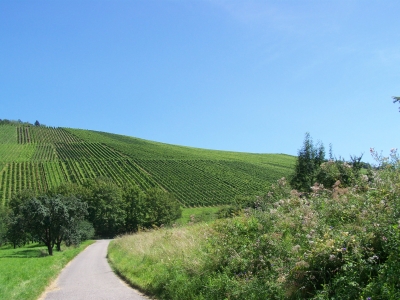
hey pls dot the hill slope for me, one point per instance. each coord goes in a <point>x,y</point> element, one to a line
<point>40,158</point>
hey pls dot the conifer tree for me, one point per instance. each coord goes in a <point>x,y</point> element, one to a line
<point>309,159</point>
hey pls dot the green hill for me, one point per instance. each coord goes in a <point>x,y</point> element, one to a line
<point>40,158</point>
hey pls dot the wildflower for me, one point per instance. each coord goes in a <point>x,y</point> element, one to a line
<point>332,257</point>
<point>374,258</point>
<point>302,264</point>
<point>344,249</point>
<point>296,248</point>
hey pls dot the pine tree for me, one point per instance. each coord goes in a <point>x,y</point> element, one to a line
<point>309,159</point>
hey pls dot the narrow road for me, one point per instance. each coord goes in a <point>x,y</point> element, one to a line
<point>89,276</point>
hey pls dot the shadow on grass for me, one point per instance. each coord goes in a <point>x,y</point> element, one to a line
<point>31,252</point>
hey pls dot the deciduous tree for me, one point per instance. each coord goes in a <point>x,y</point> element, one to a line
<point>50,219</point>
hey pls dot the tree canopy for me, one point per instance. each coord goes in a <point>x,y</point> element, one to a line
<point>50,220</point>
<point>396,99</point>
<point>309,158</point>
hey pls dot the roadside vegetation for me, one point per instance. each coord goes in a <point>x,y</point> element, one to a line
<point>334,239</point>
<point>25,272</point>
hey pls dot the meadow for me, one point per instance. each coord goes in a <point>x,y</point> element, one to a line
<point>26,271</point>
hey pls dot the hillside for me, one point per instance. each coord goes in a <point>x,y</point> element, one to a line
<point>40,158</point>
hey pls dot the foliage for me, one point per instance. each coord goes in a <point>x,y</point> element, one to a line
<point>116,210</point>
<point>50,220</point>
<point>3,224</point>
<point>312,168</point>
<point>160,208</point>
<point>135,208</point>
<point>309,158</point>
<point>106,209</point>
<point>331,243</point>
<point>396,99</point>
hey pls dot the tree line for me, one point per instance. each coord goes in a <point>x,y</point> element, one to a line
<point>71,213</point>
<point>313,168</point>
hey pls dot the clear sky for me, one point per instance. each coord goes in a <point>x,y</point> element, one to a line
<point>251,76</point>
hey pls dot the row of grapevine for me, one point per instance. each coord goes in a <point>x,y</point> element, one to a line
<point>246,178</point>
<point>52,135</point>
<point>54,174</point>
<point>24,175</point>
<point>43,157</point>
<point>44,152</point>
<point>80,151</point>
<point>190,185</point>
<point>16,152</point>
<point>23,135</point>
<point>142,149</point>
<point>8,134</point>
<point>120,171</point>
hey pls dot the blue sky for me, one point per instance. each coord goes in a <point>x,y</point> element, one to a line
<point>251,76</point>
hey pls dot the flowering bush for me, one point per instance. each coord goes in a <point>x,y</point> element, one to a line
<point>338,241</point>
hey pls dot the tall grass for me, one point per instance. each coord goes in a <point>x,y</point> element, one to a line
<point>149,260</point>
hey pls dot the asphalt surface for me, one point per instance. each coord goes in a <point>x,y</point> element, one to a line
<point>89,276</point>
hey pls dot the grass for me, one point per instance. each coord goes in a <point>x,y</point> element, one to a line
<point>198,214</point>
<point>146,258</point>
<point>25,272</point>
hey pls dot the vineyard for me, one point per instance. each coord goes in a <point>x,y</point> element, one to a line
<point>41,158</point>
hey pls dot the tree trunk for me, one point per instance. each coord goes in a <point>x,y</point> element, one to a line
<point>50,249</point>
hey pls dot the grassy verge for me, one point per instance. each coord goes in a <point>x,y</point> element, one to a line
<point>147,259</point>
<point>25,272</point>
<point>198,214</point>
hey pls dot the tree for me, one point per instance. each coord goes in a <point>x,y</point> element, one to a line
<point>37,123</point>
<point>161,208</point>
<point>106,207</point>
<point>396,99</point>
<point>51,219</point>
<point>3,224</point>
<point>16,230</point>
<point>134,208</point>
<point>309,159</point>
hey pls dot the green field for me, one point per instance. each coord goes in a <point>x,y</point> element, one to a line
<point>41,158</point>
<point>25,272</point>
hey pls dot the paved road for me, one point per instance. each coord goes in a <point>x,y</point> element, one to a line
<point>89,276</point>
